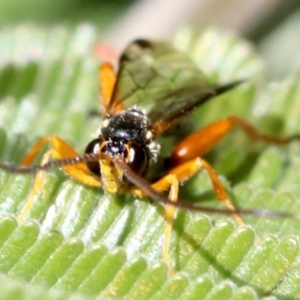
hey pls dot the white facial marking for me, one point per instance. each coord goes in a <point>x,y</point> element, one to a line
<point>152,145</point>
<point>105,123</point>
<point>149,135</point>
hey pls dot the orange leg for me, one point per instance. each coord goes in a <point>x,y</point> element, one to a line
<point>182,173</point>
<point>59,150</point>
<point>206,138</point>
<point>186,162</point>
<point>169,214</point>
<point>171,182</point>
<point>107,80</point>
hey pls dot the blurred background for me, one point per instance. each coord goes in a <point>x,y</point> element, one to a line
<point>273,25</point>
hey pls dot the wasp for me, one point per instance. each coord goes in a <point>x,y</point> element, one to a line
<point>155,89</point>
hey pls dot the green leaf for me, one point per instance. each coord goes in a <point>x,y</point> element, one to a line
<point>79,242</point>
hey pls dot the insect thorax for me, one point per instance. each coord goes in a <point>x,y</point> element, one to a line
<point>131,127</point>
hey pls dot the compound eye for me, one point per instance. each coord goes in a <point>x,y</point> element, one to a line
<point>138,159</point>
<point>94,148</point>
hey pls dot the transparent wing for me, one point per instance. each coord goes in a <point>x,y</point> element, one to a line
<point>150,72</point>
<point>162,80</point>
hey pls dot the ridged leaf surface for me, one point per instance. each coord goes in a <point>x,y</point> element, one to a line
<point>80,243</point>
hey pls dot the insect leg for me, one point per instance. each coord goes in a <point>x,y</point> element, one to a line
<point>182,173</point>
<point>186,170</point>
<point>59,150</point>
<point>107,80</point>
<point>38,186</point>
<point>172,181</point>
<point>190,168</point>
<point>168,182</point>
<point>205,139</point>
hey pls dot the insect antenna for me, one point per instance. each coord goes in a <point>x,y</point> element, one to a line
<point>139,182</point>
<point>158,197</point>
<point>49,165</point>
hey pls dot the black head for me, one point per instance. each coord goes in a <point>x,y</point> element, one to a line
<point>126,134</point>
